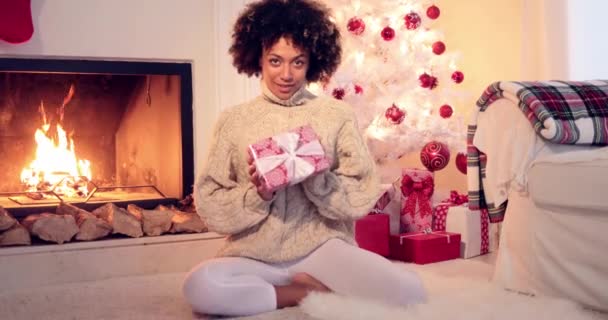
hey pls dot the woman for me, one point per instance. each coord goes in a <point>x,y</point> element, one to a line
<point>282,245</point>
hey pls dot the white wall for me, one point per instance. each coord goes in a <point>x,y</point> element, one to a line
<point>587,45</point>
<point>160,30</point>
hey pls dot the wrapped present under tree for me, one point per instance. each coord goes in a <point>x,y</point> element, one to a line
<point>425,247</point>
<point>416,190</point>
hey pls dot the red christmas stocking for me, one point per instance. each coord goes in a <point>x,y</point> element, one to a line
<point>16,21</point>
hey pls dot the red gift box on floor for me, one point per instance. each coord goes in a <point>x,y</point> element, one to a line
<point>425,247</point>
<point>372,233</point>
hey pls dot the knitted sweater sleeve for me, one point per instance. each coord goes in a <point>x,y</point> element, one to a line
<point>226,205</point>
<point>351,189</point>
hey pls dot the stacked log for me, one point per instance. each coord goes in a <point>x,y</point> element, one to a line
<point>154,222</point>
<point>184,222</point>
<point>122,221</point>
<point>90,227</point>
<point>70,222</point>
<point>12,233</point>
<point>58,228</point>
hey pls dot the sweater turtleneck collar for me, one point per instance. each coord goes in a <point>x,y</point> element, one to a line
<point>299,98</point>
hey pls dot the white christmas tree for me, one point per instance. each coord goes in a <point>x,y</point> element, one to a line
<point>398,75</point>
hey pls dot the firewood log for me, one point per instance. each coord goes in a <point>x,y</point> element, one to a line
<point>155,222</point>
<point>90,226</point>
<point>122,222</point>
<point>16,235</point>
<point>187,222</point>
<point>6,220</point>
<point>51,227</point>
<point>184,222</point>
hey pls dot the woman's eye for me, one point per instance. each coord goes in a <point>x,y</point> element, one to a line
<point>274,62</point>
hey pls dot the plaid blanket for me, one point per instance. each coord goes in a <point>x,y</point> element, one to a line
<point>565,112</point>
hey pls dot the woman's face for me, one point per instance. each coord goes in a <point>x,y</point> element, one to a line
<point>284,68</point>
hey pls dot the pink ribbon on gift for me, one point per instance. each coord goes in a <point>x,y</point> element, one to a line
<point>425,231</point>
<point>417,193</point>
<point>297,168</point>
<point>457,199</point>
<point>485,231</point>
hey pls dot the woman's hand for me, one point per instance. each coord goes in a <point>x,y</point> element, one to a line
<point>255,179</point>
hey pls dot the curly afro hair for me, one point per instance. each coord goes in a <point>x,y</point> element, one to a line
<point>305,22</point>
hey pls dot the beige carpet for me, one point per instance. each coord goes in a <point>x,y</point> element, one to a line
<point>158,297</point>
<point>146,298</point>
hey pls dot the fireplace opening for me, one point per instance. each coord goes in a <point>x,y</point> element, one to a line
<point>89,132</point>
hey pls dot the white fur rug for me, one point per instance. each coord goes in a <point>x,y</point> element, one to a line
<point>460,298</point>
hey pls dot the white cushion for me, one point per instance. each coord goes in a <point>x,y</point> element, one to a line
<point>570,184</point>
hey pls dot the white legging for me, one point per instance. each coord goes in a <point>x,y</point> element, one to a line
<point>235,286</point>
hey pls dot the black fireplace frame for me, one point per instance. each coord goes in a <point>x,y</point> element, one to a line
<point>126,67</point>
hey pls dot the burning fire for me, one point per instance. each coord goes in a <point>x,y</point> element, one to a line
<point>56,164</point>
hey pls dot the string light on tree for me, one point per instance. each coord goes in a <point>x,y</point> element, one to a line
<point>400,75</point>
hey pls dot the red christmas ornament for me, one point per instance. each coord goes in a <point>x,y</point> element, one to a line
<point>461,162</point>
<point>427,81</point>
<point>338,93</point>
<point>457,76</point>
<point>358,89</point>
<point>394,115</point>
<point>435,155</point>
<point>438,47</point>
<point>433,12</point>
<point>412,20</point>
<point>388,33</point>
<point>355,26</point>
<point>445,111</point>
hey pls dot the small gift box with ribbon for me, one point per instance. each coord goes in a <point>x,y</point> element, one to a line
<point>440,211</point>
<point>416,191</point>
<point>288,158</point>
<point>425,247</point>
<point>478,237</point>
<point>372,233</point>
<point>390,203</point>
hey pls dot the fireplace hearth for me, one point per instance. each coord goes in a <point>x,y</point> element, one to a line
<point>120,132</point>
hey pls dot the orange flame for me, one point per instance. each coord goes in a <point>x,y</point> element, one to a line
<point>56,164</point>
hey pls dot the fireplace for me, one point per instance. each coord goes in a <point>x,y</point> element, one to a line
<point>89,132</point>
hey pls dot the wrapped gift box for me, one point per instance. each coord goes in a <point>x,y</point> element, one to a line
<point>390,204</point>
<point>425,247</point>
<point>372,233</point>
<point>478,236</point>
<point>416,194</point>
<point>288,158</point>
<point>440,211</point>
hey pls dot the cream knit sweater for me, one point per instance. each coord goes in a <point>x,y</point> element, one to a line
<point>301,217</point>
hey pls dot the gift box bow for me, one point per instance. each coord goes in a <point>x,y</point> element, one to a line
<point>456,198</point>
<point>417,193</point>
<point>297,168</point>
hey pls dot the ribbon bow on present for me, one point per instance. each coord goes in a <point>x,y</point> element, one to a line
<point>424,231</point>
<point>417,193</point>
<point>297,168</point>
<point>457,199</point>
